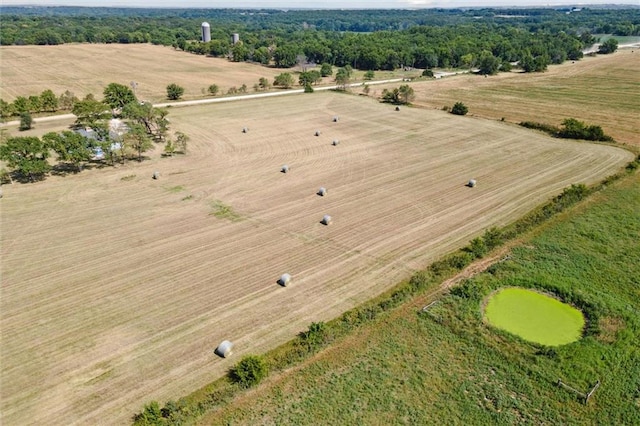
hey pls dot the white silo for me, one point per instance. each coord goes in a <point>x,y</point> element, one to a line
<point>235,38</point>
<point>206,32</point>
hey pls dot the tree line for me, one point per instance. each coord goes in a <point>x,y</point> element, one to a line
<point>94,137</point>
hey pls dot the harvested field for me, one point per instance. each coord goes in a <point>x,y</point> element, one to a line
<point>602,90</point>
<point>28,70</point>
<point>117,288</point>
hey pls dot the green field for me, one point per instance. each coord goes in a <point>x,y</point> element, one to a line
<point>408,366</point>
<point>534,316</point>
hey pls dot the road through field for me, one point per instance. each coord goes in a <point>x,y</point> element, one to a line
<point>116,288</point>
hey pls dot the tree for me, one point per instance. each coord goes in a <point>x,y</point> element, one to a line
<point>609,46</point>
<point>34,103</point>
<point>342,77</point>
<point>262,55</point>
<point>309,77</point>
<point>283,80</point>
<point>264,84</point>
<point>21,104</point>
<point>427,73</point>
<point>459,109</point>
<point>6,109</point>
<point>369,75</point>
<point>406,93</point>
<point>48,101</point>
<point>25,121</point>
<point>326,70</point>
<point>90,112</point>
<point>27,156</point>
<point>70,147</point>
<point>488,64</point>
<point>67,100</point>
<point>181,142</point>
<point>174,92</point>
<point>250,371</point>
<point>153,120</point>
<point>285,56</point>
<point>118,95</point>
<point>138,139</point>
<point>213,89</point>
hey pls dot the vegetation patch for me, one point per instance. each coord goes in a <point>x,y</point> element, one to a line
<point>534,316</point>
<point>571,129</point>
<point>127,178</point>
<point>178,188</point>
<point>223,211</point>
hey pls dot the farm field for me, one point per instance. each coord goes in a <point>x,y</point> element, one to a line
<point>602,90</point>
<point>116,288</point>
<point>89,68</point>
<point>447,366</point>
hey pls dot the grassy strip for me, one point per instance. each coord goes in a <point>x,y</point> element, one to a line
<point>320,335</point>
<point>571,129</point>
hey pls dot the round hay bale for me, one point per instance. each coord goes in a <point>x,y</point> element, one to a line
<point>224,349</point>
<point>245,129</point>
<point>335,119</point>
<point>326,220</point>
<point>285,169</point>
<point>322,191</point>
<point>397,108</point>
<point>156,175</point>
<point>472,183</point>
<point>317,133</point>
<point>335,142</point>
<point>284,280</point>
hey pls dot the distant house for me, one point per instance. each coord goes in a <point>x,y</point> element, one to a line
<point>117,128</point>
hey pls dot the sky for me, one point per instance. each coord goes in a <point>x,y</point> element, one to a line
<point>315,4</point>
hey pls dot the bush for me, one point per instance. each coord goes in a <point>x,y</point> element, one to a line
<point>249,371</point>
<point>213,89</point>
<point>459,109</point>
<point>174,92</point>
<point>315,336</point>
<point>25,121</point>
<point>427,73</point>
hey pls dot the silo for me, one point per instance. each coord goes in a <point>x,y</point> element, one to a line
<point>206,32</point>
<point>235,38</point>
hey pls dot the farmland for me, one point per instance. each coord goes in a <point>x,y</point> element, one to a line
<point>117,287</point>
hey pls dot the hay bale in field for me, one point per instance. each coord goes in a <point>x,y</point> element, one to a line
<point>156,175</point>
<point>335,118</point>
<point>472,183</point>
<point>335,142</point>
<point>317,133</point>
<point>326,220</point>
<point>284,280</point>
<point>322,191</point>
<point>397,108</point>
<point>224,349</point>
<point>245,129</point>
<point>285,169</point>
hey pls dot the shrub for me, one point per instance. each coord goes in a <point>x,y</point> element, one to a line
<point>174,92</point>
<point>213,89</point>
<point>427,73</point>
<point>249,371</point>
<point>459,109</point>
<point>25,121</point>
<point>315,336</point>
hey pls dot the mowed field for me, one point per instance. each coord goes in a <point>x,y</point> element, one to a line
<point>116,288</point>
<point>89,68</point>
<point>602,90</point>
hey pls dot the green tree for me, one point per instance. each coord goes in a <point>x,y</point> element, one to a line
<point>27,156</point>
<point>67,100</point>
<point>406,93</point>
<point>213,89</point>
<point>249,371</point>
<point>138,139</point>
<point>488,64</point>
<point>153,120</point>
<point>25,121</point>
<point>264,84</point>
<point>6,109</point>
<point>118,95</point>
<point>48,101</point>
<point>326,70</point>
<point>181,142</point>
<point>90,112</point>
<point>35,105</point>
<point>284,80</point>
<point>369,75</point>
<point>459,109</point>
<point>21,104</point>
<point>285,56</point>
<point>262,55</point>
<point>71,147</point>
<point>609,46</point>
<point>174,92</point>
<point>342,78</point>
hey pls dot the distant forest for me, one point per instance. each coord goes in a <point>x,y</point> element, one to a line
<point>363,39</point>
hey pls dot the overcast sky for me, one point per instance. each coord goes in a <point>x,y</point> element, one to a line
<point>316,4</point>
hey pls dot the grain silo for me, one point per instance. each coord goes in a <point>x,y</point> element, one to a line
<point>235,38</point>
<point>206,32</point>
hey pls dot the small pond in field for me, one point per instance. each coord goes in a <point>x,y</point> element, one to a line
<point>534,316</point>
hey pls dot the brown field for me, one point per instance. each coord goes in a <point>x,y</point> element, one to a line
<point>116,288</point>
<point>89,68</point>
<point>602,90</point>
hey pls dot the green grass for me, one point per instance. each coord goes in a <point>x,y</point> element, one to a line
<point>534,316</point>
<point>447,366</point>
<point>223,211</point>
